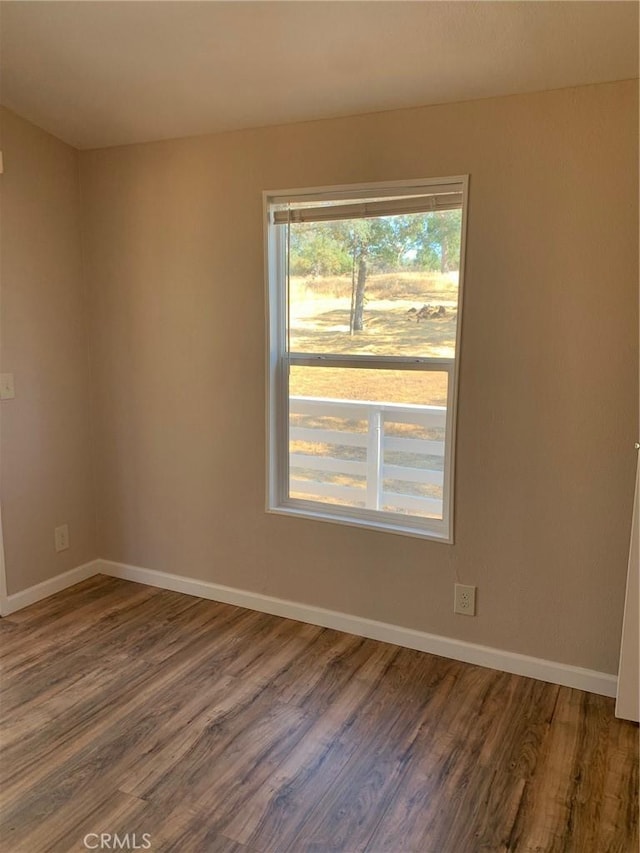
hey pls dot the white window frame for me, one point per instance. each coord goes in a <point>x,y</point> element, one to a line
<point>279,359</point>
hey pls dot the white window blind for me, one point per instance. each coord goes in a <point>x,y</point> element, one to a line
<point>334,212</point>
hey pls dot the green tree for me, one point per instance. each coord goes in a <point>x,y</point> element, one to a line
<point>440,245</point>
<point>394,238</point>
<point>425,240</point>
<point>378,243</point>
<point>317,248</point>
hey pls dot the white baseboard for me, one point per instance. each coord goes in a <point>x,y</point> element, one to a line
<point>544,670</point>
<point>11,603</point>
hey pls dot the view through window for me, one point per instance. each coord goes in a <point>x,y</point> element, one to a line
<point>365,302</point>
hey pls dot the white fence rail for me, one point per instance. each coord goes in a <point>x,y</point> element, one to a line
<point>372,471</point>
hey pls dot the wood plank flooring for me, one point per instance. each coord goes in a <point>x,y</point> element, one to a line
<point>128,710</point>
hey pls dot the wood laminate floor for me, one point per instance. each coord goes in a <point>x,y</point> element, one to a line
<point>129,710</point>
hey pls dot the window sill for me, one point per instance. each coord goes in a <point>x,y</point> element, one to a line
<point>435,533</point>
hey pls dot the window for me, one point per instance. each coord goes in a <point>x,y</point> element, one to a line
<point>364,299</point>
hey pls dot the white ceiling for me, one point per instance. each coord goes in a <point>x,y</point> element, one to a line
<point>105,73</point>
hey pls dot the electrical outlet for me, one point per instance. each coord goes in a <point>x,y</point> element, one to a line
<point>464,600</point>
<point>7,389</point>
<point>61,537</point>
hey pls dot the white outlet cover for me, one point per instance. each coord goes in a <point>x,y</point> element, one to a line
<point>7,388</point>
<point>61,537</point>
<point>464,600</point>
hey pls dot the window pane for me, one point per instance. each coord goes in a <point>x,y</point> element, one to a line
<point>386,285</point>
<point>368,438</point>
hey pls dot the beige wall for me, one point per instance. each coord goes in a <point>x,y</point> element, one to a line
<point>548,383</point>
<point>46,477</point>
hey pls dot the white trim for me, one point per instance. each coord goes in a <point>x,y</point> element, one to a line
<point>544,670</point>
<point>453,393</point>
<point>276,414</point>
<point>363,518</point>
<point>556,673</point>
<point>627,699</point>
<point>28,596</point>
<point>327,193</point>
<point>373,362</point>
<point>3,573</point>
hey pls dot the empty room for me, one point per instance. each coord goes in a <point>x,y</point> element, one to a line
<point>319,381</point>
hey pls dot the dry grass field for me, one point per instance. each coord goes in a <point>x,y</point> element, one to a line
<point>320,315</point>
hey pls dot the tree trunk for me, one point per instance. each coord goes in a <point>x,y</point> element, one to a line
<point>358,310</point>
<point>353,293</point>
